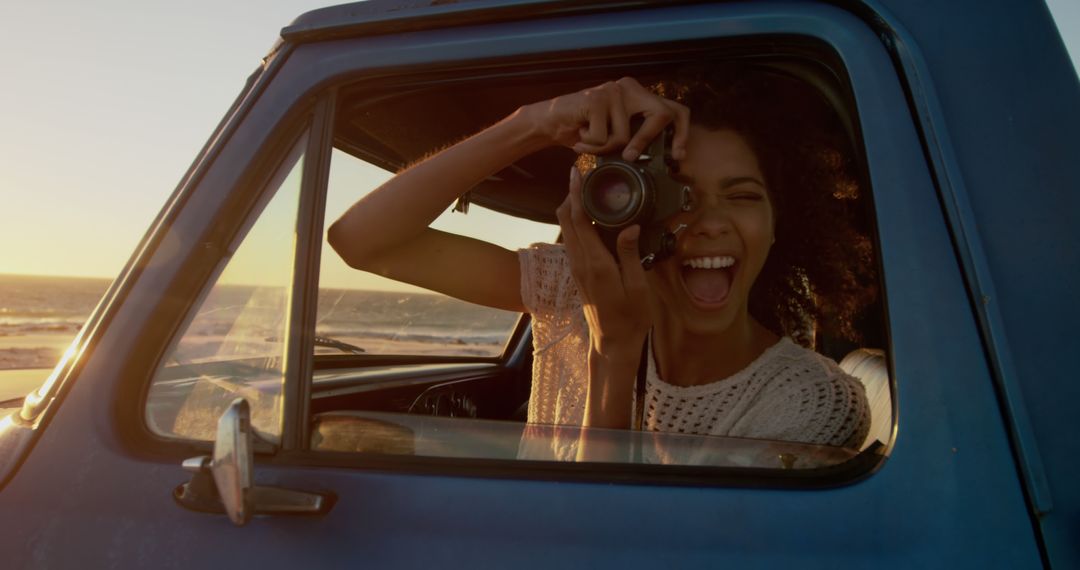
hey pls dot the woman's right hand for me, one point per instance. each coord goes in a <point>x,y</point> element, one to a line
<point>597,120</point>
<point>617,304</point>
<point>614,291</point>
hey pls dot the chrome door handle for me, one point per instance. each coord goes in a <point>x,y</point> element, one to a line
<point>223,483</point>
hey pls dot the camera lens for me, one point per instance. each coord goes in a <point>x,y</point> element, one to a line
<point>612,195</point>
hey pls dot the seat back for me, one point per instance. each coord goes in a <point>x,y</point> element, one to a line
<point>872,369</point>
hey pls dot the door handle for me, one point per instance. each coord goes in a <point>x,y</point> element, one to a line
<point>223,482</point>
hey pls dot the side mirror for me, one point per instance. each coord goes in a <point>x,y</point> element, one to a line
<point>224,481</point>
<point>232,461</point>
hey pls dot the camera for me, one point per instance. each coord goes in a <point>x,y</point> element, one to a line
<point>617,194</point>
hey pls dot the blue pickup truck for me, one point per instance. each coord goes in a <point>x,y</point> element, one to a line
<point>239,397</point>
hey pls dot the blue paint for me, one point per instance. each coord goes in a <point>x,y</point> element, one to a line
<point>974,189</point>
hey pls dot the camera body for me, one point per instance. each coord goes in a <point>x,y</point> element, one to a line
<point>617,194</point>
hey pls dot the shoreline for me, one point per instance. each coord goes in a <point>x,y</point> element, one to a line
<point>33,351</point>
<point>42,350</point>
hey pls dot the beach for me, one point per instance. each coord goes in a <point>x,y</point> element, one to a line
<point>18,383</point>
<point>38,350</point>
<point>27,360</point>
<point>40,316</point>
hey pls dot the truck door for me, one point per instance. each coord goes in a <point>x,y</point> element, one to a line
<point>225,300</point>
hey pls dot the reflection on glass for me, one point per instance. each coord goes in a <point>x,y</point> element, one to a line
<point>234,344</point>
<point>408,434</point>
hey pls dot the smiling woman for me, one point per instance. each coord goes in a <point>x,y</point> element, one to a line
<point>820,267</point>
<point>768,168</point>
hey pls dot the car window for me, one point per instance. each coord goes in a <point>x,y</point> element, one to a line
<point>363,313</point>
<point>233,344</point>
<point>489,409</point>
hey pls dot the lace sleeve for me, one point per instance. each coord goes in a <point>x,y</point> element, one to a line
<point>547,287</point>
<point>560,336</point>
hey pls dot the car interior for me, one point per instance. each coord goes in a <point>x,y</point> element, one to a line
<point>378,403</point>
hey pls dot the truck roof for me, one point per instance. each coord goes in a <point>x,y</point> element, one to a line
<point>385,16</point>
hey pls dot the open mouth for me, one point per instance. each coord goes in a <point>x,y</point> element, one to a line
<point>708,279</point>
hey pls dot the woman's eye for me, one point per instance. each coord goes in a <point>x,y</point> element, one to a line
<point>746,196</point>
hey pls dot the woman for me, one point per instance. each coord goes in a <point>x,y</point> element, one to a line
<point>717,363</point>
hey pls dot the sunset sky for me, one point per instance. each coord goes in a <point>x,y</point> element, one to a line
<point>105,104</point>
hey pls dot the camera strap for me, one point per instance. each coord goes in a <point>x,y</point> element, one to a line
<point>639,385</point>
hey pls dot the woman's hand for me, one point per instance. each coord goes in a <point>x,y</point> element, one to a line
<point>614,295</point>
<point>617,303</point>
<point>597,120</point>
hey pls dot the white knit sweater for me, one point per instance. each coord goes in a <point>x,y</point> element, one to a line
<point>789,393</point>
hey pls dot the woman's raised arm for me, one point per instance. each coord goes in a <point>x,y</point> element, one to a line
<point>387,232</point>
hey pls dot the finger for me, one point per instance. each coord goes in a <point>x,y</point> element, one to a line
<point>633,275</point>
<point>619,122</point>
<point>682,129</point>
<point>619,129</point>
<point>562,214</point>
<point>595,132</point>
<point>578,262</point>
<point>569,234</point>
<point>655,121</point>
<point>582,148</point>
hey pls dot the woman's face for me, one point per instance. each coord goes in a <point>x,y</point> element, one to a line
<point>706,285</point>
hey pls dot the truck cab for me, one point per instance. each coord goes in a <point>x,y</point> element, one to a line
<point>241,397</point>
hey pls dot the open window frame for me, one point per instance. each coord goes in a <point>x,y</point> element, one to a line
<point>384,125</point>
<point>320,69</point>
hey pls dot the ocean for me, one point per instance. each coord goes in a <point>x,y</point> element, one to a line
<point>32,304</point>
<point>430,318</point>
<point>39,316</point>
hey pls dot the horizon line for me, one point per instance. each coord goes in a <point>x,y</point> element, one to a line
<point>99,278</point>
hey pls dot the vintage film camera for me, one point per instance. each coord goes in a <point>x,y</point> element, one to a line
<point>617,194</point>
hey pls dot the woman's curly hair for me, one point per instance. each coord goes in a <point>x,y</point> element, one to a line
<point>821,272</point>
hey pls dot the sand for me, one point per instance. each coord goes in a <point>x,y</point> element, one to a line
<point>27,360</point>
<point>18,383</point>
<point>38,350</point>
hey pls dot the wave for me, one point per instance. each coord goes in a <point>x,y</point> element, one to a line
<point>38,357</point>
<point>9,328</point>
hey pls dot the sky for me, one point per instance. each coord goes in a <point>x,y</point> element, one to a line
<point>105,104</point>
